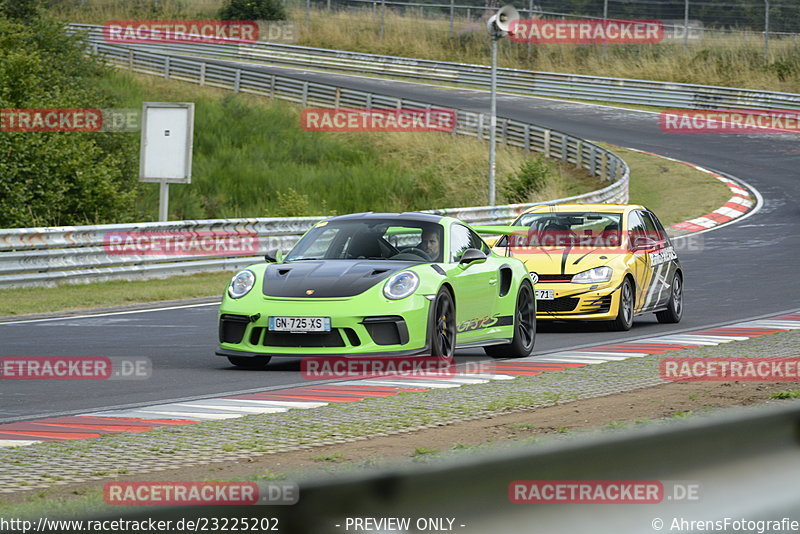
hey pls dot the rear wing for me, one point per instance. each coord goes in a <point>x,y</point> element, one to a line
<point>502,230</point>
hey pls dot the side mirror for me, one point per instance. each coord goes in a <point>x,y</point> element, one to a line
<point>470,256</point>
<point>644,243</point>
<point>273,256</point>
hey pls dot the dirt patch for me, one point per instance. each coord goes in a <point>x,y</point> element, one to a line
<point>669,400</point>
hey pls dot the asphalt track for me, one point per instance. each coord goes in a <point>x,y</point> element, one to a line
<point>745,269</point>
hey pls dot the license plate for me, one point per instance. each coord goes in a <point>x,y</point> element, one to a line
<point>544,294</point>
<point>300,324</point>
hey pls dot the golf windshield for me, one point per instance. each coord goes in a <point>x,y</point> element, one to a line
<point>569,229</point>
<point>374,239</point>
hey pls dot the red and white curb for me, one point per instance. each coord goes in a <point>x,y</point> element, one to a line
<point>144,418</point>
<point>742,202</point>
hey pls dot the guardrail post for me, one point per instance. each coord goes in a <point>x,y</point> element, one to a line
<point>504,131</point>
<point>237,81</point>
<point>272,87</point>
<point>564,148</point>
<point>369,101</point>
<point>202,73</point>
<point>526,137</point>
<point>166,67</point>
<point>604,165</point>
<point>547,143</point>
<point>579,154</point>
<point>305,94</point>
<point>480,126</point>
<point>593,161</point>
<point>130,58</point>
<point>337,97</point>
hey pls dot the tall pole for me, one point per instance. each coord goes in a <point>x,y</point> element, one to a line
<point>605,16</point>
<point>163,201</point>
<point>452,16</point>
<point>493,123</point>
<point>383,16</point>
<point>766,29</point>
<point>530,16</point>
<point>686,25</point>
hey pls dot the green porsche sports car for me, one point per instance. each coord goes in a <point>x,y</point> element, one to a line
<point>380,284</point>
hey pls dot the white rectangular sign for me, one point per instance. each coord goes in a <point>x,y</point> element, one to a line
<point>167,137</point>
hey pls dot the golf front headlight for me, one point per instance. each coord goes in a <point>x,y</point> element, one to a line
<point>401,285</point>
<point>241,284</point>
<point>593,276</point>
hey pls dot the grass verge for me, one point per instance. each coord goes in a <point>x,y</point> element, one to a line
<point>735,60</point>
<point>674,191</point>
<point>113,293</point>
<point>252,159</point>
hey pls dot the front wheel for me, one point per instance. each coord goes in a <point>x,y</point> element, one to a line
<point>256,362</point>
<point>443,327</point>
<point>624,319</point>
<point>524,328</point>
<point>674,310</point>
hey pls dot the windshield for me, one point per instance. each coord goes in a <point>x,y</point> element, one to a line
<point>569,229</point>
<point>374,239</point>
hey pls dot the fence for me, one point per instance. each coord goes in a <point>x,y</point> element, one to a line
<point>44,256</point>
<point>534,83</point>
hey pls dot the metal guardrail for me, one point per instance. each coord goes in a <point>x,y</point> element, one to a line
<point>534,83</point>
<point>743,464</point>
<point>44,256</point>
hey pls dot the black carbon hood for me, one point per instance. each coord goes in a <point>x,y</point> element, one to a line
<point>327,278</point>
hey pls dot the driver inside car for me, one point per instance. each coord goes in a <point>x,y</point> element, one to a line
<point>431,244</point>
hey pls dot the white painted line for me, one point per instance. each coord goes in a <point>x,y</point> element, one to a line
<point>17,442</point>
<point>275,404</point>
<point>666,341</point>
<point>244,410</point>
<point>486,377</point>
<point>194,415</point>
<point>623,355</point>
<point>413,383</point>
<point>108,314</point>
<point>769,324</point>
<point>573,360</point>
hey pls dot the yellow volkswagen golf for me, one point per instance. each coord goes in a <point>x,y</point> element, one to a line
<point>598,262</point>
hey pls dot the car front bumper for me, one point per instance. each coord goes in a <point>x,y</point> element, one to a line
<point>391,328</point>
<point>578,301</point>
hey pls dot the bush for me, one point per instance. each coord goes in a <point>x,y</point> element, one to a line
<point>253,10</point>
<point>531,178</point>
<point>49,179</point>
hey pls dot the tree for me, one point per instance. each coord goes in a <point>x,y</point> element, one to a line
<point>253,10</point>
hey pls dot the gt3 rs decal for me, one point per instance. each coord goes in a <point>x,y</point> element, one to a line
<point>663,256</point>
<point>486,321</point>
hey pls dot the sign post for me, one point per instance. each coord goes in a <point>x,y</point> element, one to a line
<point>166,150</point>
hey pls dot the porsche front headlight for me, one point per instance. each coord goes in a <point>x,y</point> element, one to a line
<point>241,284</point>
<point>593,276</point>
<point>401,285</point>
